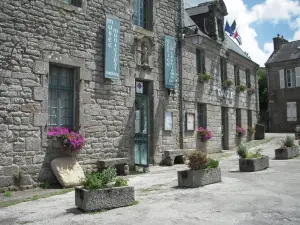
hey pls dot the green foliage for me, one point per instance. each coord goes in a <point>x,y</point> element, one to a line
<point>8,194</point>
<point>44,184</point>
<point>297,129</point>
<point>251,155</point>
<point>198,160</point>
<point>204,77</point>
<point>96,180</point>
<point>241,87</point>
<point>227,83</point>
<point>288,141</point>
<point>242,151</point>
<point>213,164</point>
<point>263,88</point>
<point>121,182</point>
<point>251,130</point>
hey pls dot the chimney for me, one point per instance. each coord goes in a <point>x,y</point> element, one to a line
<point>278,42</point>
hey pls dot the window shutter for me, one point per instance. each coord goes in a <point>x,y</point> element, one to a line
<point>294,111</point>
<point>203,62</point>
<point>281,77</point>
<point>297,76</point>
<point>289,111</point>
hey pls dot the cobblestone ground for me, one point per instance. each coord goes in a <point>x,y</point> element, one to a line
<point>266,197</point>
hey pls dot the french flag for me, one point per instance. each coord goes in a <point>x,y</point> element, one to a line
<point>238,37</point>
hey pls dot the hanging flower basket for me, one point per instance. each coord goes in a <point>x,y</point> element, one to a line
<point>204,77</point>
<point>204,134</point>
<point>240,132</point>
<point>241,88</point>
<point>251,91</point>
<point>227,84</point>
<point>70,140</point>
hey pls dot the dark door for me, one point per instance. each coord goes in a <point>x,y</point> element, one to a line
<point>225,133</point>
<point>142,131</point>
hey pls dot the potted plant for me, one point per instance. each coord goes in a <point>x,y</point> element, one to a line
<point>204,77</point>
<point>227,83</point>
<point>203,136</point>
<point>288,149</point>
<point>240,132</point>
<point>251,91</point>
<point>103,191</point>
<point>250,131</point>
<point>297,132</point>
<point>241,88</point>
<point>251,162</point>
<point>203,171</point>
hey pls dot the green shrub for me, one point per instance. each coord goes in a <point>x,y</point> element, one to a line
<point>8,194</point>
<point>251,155</point>
<point>96,180</point>
<point>121,182</point>
<point>44,184</point>
<point>227,83</point>
<point>204,77</point>
<point>297,129</point>
<point>213,164</point>
<point>288,141</point>
<point>197,160</point>
<point>241,87</point>
<point>251,130</point>
<point>242,151</point>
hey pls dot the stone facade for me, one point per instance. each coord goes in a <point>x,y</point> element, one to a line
<point>37,34</point>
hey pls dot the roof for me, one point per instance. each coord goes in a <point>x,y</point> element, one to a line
<point>288,51</point>
<point>233,46</point>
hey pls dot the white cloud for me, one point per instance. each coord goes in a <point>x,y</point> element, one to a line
<point>273,11</point>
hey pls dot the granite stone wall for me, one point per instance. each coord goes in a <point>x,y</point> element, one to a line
<point>36,34</point>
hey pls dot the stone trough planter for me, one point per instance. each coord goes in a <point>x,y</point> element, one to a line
<point>286,153</point>
<point>109,198</point>
<point>253,165</point>
<point>198,178</point>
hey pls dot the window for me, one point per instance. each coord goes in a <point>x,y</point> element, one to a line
<point>238,117</point>
<point>73,2</point>
<point>248,79</point>
<point>142,13</point>
<point>61,97</point>
<point>249,118</point>
<point>223,65</point>
<point>290,78</point>
<point>236,76</point>
<point>202,121</point>
<point>200,61</point>
<point>291,111</point>
<point>220,28</point>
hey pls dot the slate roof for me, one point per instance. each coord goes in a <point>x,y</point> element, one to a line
<point>288,51</point>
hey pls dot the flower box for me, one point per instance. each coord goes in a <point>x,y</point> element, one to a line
<point>286,153</point>
<point>109,198</point>
<point>253,165</point>
<point>198,178</point>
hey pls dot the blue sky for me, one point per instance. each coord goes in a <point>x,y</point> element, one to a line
<point>261,20</point>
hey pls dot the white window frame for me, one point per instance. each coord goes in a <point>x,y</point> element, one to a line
<point>292,106</point>
<point>291,73</point>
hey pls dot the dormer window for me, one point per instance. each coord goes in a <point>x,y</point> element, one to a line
<point>73,2</point>
<point>220,25</point>
<point>142,13</point>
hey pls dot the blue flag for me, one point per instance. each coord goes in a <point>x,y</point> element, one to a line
<point>233,26</point>
<point>228,28</point>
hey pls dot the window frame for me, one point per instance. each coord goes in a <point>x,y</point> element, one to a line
<point>237,80</point>
<point>248,78</point>
<point>238,117</point>
<point>202,107</point>
<point>145,20</point>
<point>223,69</point>
<point>77,3</point>
<point>249,115</point>
<point>200,61</point>
<point>292,75</point>
<point>59,88</point>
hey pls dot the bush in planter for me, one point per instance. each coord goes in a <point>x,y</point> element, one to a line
<point>288,149</point>
<point>203,77</point>
<point>288,142</point>
<point>251,131</point>
<point>251,162</point>
<point>203,171</point>
<point>103,191</point>
<point>227,83</point>
<point>297,132</point>
<point>204,134</point>
<point>241,88</point>
<point>240,132</point>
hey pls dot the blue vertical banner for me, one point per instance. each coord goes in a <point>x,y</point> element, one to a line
<point>170,62</point>
<point>112,48</point>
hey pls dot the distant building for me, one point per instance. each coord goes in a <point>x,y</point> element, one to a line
<point>283,71</point>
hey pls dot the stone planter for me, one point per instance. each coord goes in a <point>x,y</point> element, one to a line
<point>198,178</point>
<point>286,153</point>
<point>297,136</point>
<point>253,165</point>
<point>250,137</point>
<point>201,145</point>
<point>109,198</point>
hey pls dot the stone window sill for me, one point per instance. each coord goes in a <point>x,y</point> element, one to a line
<point>68,7</point>
<point>143,31</point>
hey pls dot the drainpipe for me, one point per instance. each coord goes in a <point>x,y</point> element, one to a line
<point>180,75</point>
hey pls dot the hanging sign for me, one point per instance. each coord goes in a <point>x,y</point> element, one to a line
<point>112,48</point>
<point>139,87</point>
<point>170,62</point>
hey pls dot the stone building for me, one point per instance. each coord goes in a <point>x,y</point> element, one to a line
<point>208,49</point>
<point>283,72</point>
<point>54,62</point>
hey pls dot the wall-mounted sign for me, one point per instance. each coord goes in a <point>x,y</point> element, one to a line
<point>112,48</point>
<point>190,121</point>
<point>170,62</point>
<point>139,87</point>
<point>168,121</point>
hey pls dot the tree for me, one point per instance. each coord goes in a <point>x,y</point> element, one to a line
<point>263,89</point>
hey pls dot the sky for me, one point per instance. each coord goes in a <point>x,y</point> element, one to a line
<point>259,21</point>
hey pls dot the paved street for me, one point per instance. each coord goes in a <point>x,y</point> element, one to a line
<point>267,197</point>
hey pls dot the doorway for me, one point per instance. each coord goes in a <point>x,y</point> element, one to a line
<point>225,130</point>
<point>142,126</point>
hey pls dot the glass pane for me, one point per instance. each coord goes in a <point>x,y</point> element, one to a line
<point>52,107</point>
